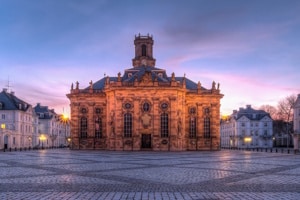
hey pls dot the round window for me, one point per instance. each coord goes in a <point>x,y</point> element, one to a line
<point>192,110</point>
<point>164,106</point>
<point>146,107</point>
<point>98,110</point>
<point>127,105</point>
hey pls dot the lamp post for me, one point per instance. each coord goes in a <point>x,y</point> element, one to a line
<point>65,120</point>
<point>2,131</point>
<point>29,141</point>
<point>69,142</point>
<point>42,138</point>
<point>247,140</point>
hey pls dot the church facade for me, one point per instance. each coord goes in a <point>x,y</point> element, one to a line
<point>145,109</point>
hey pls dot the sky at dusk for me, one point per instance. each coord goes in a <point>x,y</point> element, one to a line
<point>252,48</point>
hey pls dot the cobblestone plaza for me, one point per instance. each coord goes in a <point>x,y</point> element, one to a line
<point>226,174</point>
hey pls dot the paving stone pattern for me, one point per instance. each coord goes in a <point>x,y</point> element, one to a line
<point>65,174</point>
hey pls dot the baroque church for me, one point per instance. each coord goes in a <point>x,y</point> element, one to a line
<point>145,109</point>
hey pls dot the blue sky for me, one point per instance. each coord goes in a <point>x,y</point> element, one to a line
<point>251,48</point>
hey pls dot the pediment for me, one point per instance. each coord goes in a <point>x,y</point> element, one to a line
<point>146,80</point>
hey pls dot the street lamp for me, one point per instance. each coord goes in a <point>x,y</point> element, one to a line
<point>65,120</point>
<point>29,141</point>
<point>69,142</point>
<point>247,140</point>
<point>42,138</point>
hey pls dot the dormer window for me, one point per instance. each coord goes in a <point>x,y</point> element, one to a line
<point>129,75</point>
<point>160,75</point>
<point>20,106</point>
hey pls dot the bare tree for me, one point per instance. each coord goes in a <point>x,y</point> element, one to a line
<point>285,107</point>
<point>285,111</point>
<point>271,110</point>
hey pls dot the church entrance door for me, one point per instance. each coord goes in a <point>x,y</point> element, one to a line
<point>146,141</point>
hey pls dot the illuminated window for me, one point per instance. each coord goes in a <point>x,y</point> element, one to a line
<point>127,125</point>
<point>98,127</point>
<point>206,127</point>
<point>3,126</point>
<point>193,127</point>
<point>164,125</point>
<point>83,127</point>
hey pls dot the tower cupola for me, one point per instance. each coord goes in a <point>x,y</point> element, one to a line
<point>143,51</point>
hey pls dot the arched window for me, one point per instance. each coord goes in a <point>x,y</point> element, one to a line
<point>164,125</point>
<point>206,127</point>
<point>127,125</point>
<point>98,127</point>
<point>192,127</point>
<point>83,127</point>
<point>144,50</point>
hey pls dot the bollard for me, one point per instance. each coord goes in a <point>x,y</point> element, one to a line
<point>288,151</point>
<point>10,149</point>
<point>271,150</point>
<point>276,151</point>
<point>266,150</point>
<point>20,148</point>
<point>15,148</point>
<point>4,149</point>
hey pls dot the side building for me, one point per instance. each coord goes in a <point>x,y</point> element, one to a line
<point>53,128</point>
<point>296,134</point>
<point>18,121</point>
<point>145,109</point>
<point>247,128</point>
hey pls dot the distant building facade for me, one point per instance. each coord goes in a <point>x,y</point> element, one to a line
<point>53,129</point>
<point>18,122</point>
<point>247,128</point>
<point>145,109</point>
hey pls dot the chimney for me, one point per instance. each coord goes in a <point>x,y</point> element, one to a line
<point>248,106</point>
<point>12,93</point>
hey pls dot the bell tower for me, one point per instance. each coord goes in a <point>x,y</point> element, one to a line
<point>143,51</point>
